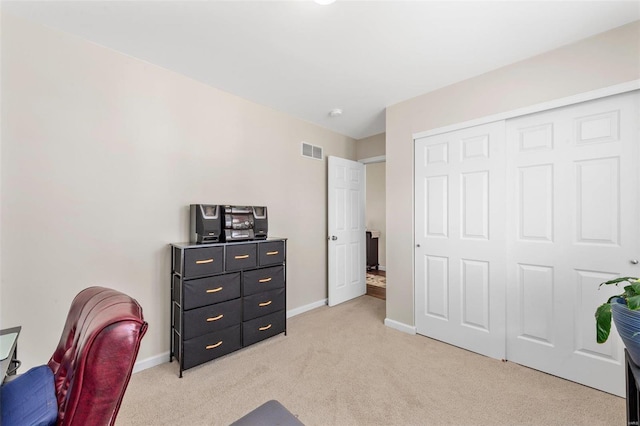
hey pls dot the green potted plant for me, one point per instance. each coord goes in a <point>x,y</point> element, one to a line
<point>625,311</point>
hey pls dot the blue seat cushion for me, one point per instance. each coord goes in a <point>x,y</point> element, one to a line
<point>29,399</point>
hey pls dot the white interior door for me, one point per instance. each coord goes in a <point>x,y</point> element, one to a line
<point>346,223</point>
<point>572,224</point>
<point>459,235</point>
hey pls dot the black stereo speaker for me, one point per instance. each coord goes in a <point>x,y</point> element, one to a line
<point>260,222</point>
<point>206,223</point>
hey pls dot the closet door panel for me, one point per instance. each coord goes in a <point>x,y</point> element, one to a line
<point>460,226</point>
<point>572,209</point>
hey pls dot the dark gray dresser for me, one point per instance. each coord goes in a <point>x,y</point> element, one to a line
<point>225,296</point>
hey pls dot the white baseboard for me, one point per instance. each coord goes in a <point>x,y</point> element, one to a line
<point>151,362</point>
<point>410,329</point>
<point>164,357</point>
<point>382,268</point>
<point>305,308</point>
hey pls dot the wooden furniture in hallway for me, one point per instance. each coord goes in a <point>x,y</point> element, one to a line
<point>375,291</point>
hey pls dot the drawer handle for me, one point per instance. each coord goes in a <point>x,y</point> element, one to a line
<point>202,262</point>
<point>215,318</point>
<point>266,327</point>
<point>264,280</point>
<point>242,256</point>
<point>214,290</point>
<point>264,303</point>
<point>271,253</point>
<point>214,346</point>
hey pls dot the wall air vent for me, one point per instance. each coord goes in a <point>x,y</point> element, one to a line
<point>312,151</point>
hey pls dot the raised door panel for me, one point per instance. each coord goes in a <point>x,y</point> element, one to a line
<point>535,203</point>
<point>475,205</point>
<point>436,206</point>
<point>341,266</point>
<point>535,302</point>
<point>597,128</point>
<point>588,296</point>
<point>475,293</point>
<point>598,205</point>
<point>341,257</point>
<point>536,138</point>
<point>436,278</point>
<point>436,154</point>
<point>474,147</point>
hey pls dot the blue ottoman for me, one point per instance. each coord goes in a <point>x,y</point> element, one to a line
<point>29,399</point>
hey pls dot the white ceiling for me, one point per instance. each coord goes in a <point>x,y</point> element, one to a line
<point>305,59</point>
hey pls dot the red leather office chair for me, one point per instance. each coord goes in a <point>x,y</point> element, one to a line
<point>94,359</point>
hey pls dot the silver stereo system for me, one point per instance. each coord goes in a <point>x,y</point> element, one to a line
<point>212,223</point>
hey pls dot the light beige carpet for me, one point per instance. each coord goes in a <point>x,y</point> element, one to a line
<point>342,366</point>
<point>376,280</point>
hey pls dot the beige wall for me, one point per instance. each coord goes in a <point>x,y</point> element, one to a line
<point>604,60</point>
<point>373,146</point>
<point>101,156</point>
<point>375,209</point>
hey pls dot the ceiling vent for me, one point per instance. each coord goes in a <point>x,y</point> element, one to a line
<point>312,151</point>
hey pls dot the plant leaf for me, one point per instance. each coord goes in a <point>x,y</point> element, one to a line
<point>603,322</point>
<point>619,280</point>
<point>628,292</point>
<point>633,302</point>
<point>636,287</point>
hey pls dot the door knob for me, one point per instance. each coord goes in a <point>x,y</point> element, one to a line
<point>333,238</point>
<point>634,261</point>
<point>417,245</point>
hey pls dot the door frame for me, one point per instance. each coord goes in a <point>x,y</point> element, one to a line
<point>617,89</point>
<point>372,160</point>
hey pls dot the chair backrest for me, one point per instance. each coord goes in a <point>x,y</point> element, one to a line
<point>94,359</point>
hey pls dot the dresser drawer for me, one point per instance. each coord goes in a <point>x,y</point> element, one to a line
<point>205,291</point>
<point>211,318</point>
<point>271,253</point>
<point>261,328</point>
<point>241,256</point>
<point>203,261</point>
<point>263,279</point>
<point>263,303</point>
<point>205,348</point>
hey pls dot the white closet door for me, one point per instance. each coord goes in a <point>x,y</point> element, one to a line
<point>459,236</point>
<point>572,217</point>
